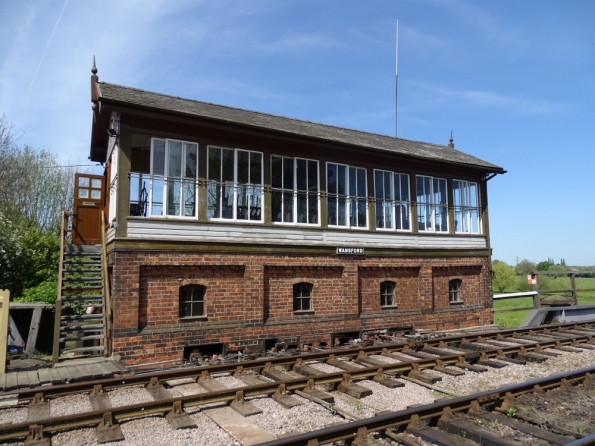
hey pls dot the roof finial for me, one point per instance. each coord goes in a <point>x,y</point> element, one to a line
<point>451,141</point>
<point>94,68</point>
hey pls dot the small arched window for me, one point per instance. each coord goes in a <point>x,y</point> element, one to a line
<point>192,300</point>
<point>454,290</point>
<point>387,294</point>
<point>302,296</point>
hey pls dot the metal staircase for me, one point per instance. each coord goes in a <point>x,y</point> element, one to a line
<point>81,314</point>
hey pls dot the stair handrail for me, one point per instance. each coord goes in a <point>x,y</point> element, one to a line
<point>64,230</point>
<point>107,304</point>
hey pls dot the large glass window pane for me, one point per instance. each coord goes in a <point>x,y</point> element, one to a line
<point>227,161</point>
<point>466,208</point>
<point>342,180</point>
<point>276,171</point>
<point>174,190</point>
<point>158,158</point>
<point>332,210</point>
<point>256,168</point>
<point>191,160</point>
<point>288,173</point>
<point>301,175</point>
<point>342,211</point>
<point>243,167</point>
<point>347,198</point>
<point>214,164</point>
<point>331,178</point>
<point>174,159</point>
<point>361,182</point>
<point>157,197</point>
<point>188,192</point>
<point>313,176</point>
<point>352,182</point>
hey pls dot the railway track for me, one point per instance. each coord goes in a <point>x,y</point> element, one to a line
<point>283,377</point>
<point>475,417</point>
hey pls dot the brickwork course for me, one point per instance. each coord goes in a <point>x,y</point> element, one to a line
<point>250,298</point>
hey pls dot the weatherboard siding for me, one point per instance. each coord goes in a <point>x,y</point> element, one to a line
<point>251,234</point>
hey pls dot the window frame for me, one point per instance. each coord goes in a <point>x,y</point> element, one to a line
<point>454,291</point>
<point>466,207</point>
<point>392,202</point>
<point>236,187</point>
<point>348,198</point>
<point>385,294</point>
<point>295,192</point>
<point>187,184</point>
<point>432,205</point>
<point>301,298</point>
<point>189,291</point>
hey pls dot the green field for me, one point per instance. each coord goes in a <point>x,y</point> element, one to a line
<point>514,318</point>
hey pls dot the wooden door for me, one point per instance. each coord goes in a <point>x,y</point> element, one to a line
<point>89,201</point>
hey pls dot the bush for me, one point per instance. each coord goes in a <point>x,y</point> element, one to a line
<point>46,291</point>
<point>13,259</point>
<point>522,285</point>
<point>504,276</point>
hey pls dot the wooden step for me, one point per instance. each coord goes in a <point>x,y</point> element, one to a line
<point>82,279</point>
<point>81,317</point>
<point>82,247</point>
<point>89,298</point>
<point>81,255</point>
<point>82,271</point>
<point>81,288</point>
<point>76,262</point>
<point>81,328</point>
<point>94,348</point>
<point>69,301</point>
<point>82,338</point>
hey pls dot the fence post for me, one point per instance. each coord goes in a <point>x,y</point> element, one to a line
<point>4,308</point>
<point>536,298</point>
<point>573,285</point>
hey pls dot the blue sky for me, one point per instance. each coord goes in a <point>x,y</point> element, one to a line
<point>513,80</point>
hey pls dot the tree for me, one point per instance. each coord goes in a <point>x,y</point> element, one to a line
<point>544,266</point>
<point>34,184</point>
<point>504,276</point>
<point>524,268</point>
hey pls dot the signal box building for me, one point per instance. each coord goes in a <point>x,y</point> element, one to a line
<point>237,230</point>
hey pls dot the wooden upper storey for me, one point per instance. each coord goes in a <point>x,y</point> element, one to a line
<point>353,180</point>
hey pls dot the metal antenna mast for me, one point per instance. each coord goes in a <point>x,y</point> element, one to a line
<point>396,77</point>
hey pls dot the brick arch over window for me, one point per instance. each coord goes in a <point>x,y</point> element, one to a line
<point>302,296</point>
<point>454,290</point>
<point>192,300</point>
<point>387,293</point>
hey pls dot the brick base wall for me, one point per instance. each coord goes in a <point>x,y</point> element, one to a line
<point>250,297</point>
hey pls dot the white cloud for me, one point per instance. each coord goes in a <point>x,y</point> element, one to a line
<point>490,25</point>
<point>491,99</point>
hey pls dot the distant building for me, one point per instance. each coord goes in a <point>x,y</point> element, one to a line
<point>234,229</point>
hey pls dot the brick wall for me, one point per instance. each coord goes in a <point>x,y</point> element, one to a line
<point>250,298</point>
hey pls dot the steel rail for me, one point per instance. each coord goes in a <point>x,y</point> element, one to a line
<point>21,430</point>
<point>395,419</point>
<point>288,361</point>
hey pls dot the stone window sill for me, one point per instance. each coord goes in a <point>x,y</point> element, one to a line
<point>458,302</point>
<point>304,312</point>
<point>389,307</point>
<point>193,318</point>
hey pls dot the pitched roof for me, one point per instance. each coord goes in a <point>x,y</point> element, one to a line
<point>433,152</point>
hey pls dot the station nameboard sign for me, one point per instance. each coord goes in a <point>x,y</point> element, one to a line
<point>350,251</point>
